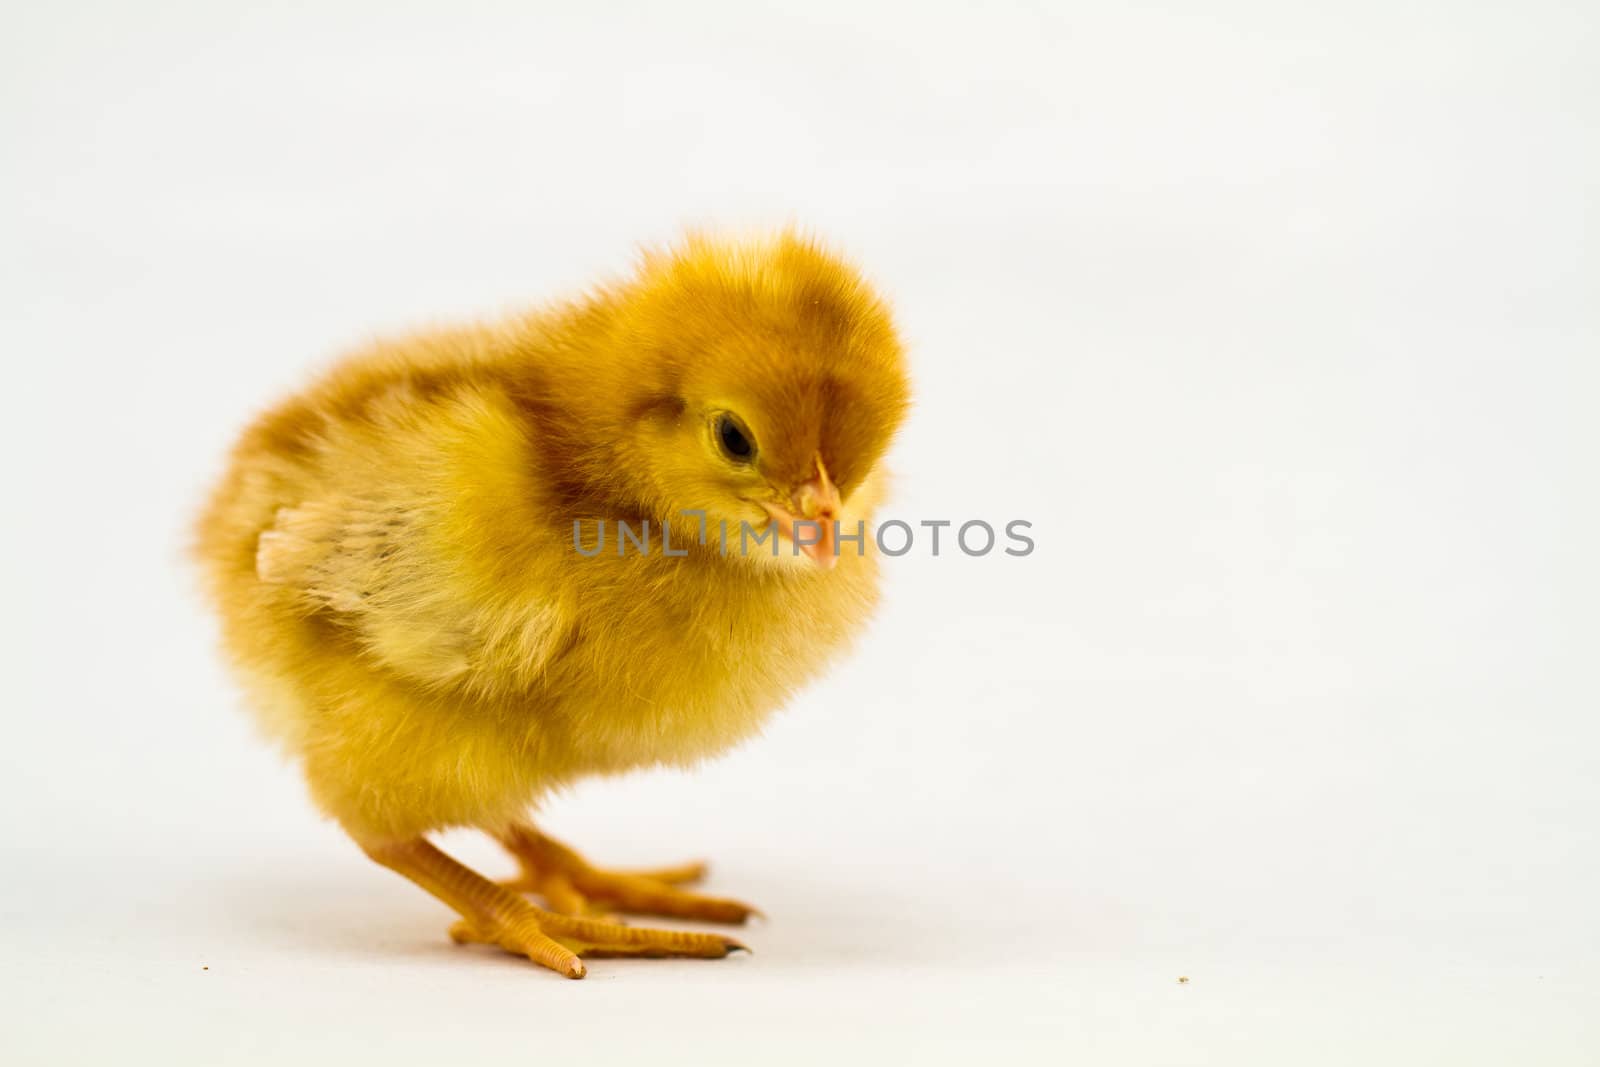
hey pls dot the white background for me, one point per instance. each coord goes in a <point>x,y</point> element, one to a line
<point>1277,321</point>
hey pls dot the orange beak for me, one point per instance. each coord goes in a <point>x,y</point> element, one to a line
<point>810,525</point>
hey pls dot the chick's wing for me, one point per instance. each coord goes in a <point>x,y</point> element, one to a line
<point>380,571</point>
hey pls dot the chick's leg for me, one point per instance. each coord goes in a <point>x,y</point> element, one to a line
<point>493,914</point>
<point>569,883</point>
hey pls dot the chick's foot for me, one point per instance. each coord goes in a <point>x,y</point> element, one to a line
<point>494,915</point>
<point>595,938</point>
<point>570,885</point>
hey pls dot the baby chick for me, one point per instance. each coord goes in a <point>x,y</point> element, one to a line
<point>395,557</point>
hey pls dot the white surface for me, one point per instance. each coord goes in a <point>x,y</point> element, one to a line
<point>1280,325</point>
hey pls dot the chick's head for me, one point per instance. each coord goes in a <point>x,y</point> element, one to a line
<point>770,384</point>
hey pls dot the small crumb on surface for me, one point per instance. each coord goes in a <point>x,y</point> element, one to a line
<point>1183,979</point>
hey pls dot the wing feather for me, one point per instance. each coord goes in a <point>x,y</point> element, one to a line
<point>369,566</point>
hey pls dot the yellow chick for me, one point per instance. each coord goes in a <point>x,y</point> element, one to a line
<point>432,581</point>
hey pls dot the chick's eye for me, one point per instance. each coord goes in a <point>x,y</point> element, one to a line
<point>734,440</point>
